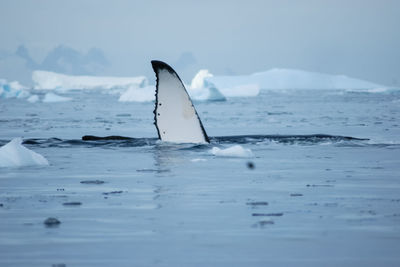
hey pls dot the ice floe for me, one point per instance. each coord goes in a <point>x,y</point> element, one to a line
<point>51,98</point>
<point>14,154</point>
<point>235,151</point>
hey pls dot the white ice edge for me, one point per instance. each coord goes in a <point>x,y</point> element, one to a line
<point>235,151</point>
<point>14,154</point>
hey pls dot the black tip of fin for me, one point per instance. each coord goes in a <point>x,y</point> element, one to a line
<point>159,65</point>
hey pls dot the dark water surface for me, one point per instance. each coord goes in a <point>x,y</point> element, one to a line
<point>303,199</point>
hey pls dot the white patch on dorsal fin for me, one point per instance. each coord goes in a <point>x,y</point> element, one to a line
<point>175,117</point>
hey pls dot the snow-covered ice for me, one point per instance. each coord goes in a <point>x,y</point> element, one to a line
<point>33,99</point>
<point>201,89</point>
<point>14,154</point>
<point>233,151</point>
<point>278,79</point>
<point>135,94</point>
<point>12,89</point>
<point>46,80</point>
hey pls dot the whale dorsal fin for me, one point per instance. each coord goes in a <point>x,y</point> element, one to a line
<point>175,117</point>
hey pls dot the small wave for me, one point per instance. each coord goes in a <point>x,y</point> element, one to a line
<point>97,142</point>
<point>286,139</point>
<point>123,141</point>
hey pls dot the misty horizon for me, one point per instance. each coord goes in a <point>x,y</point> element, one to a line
<point>359,39</point>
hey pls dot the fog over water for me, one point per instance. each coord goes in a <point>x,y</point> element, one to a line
<point>355,38</point>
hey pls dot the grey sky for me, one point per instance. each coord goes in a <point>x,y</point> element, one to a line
<point>359,38</point>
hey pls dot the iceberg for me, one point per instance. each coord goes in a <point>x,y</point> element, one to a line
<point>277,79</point>
<point>235,151</point>
<point>14,154</point>
<point>12,89</point>
<point>131,89</point>
<point>33,99</point>
<point>202,89</point>
<point>134,94</point>
<point>47,80</point>
<point>199,90</point>
<point>51,98</point>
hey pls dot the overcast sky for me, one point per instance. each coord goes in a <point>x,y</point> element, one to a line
<point>358,38</point>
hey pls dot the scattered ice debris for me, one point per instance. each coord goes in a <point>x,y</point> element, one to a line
<point>112,192</point>
<point>74,203</point>
<point>262,224</point>
<point>236,151</point>
<point>375,90</point>
<point>257,203</point>
<point>153,170</point>
<point>319,185</point>
<point>296,195</point>
<point>137,94</point>
<point>197,160</point>
<point>46,80</point>
<point>51,98</point>
<point>92,182</point>
<point>291,79</point>
<point>51,222</point>
<point>14,154</point>
<point>12,90</point>
<point>278,214</point>
<point>33,99</point>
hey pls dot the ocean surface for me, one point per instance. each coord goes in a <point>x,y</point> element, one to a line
<point>309,196</point>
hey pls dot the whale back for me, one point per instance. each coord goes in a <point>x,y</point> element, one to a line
<point>175,116</point>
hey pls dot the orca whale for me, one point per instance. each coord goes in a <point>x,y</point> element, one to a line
<point>177,120</point>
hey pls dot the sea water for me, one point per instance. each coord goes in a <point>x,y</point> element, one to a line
<point>289,202</point>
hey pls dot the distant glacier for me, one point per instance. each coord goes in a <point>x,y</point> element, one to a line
<point>203,87</point>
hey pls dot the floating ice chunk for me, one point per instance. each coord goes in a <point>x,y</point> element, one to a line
<point>33,99</point>
<point>291,79</point>
<point>134,94</point>
<point>12,89</point>
<point>236,151</point>
<point>51,98</point>
<point>14,154</point>
<point>46,80</point>
<point>372,90</point>
<point>201,89</point>
<point>198,160</point>
<point>243,90</point>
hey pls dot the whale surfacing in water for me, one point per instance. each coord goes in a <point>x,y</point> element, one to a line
<point>175,117</point>
<point>177,120</point>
